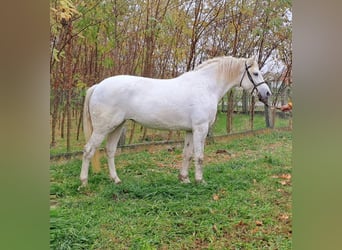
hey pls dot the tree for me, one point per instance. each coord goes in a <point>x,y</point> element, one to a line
<point>91,40</point>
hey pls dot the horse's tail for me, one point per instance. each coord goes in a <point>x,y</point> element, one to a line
<point>88,127</point>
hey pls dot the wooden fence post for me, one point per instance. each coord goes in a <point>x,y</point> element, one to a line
<point>251,120</point>
<point>272,112</point>
<point>230,110</point>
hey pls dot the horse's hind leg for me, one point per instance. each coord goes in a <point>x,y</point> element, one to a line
<point>88,152</point>
<point>111,146</point>
<point>187,157</point>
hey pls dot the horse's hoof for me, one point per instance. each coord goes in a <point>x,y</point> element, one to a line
<point>116,180</point>
<point>184,179</point>
<point>84,182</point>
<point>201,181</point>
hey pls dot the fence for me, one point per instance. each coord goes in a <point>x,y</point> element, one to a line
<point>137,137</point>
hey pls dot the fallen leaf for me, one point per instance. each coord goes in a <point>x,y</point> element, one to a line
<point>255,230</point>
<point>282,176</point>
<point>216,197</point>
<point>222,151</point>
<point>285,176</point>
<point>283,182</point>
<point>284,217</point>
<point>241,224</point>
<point>258,223</point>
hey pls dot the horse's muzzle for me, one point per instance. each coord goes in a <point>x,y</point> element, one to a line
<point>264,97</point>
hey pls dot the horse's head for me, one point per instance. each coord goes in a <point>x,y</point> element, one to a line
<point>253,81</point>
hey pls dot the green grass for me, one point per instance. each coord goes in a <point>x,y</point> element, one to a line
<point>246,203</point>
<point>241,122</point>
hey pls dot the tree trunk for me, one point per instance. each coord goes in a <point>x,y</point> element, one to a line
<point>191,61</point>
<point>68,81</point>
<point>54,117</point>
<point>230,109</point>
<point>63,122</point>
<point>80,121</point>
<point>68,113</point>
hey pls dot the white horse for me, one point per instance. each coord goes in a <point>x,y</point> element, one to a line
<point>188,102</point>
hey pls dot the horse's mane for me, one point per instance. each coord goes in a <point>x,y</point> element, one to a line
<point>227,65</point>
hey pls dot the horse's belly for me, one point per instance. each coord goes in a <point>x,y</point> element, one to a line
<point>169,126</point>
<point>160,116</point>
<point>164,121</point>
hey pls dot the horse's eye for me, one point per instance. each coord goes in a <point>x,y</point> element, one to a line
<point>256,73</point>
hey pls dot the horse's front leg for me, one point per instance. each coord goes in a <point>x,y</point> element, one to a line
<point>187,157</point>
<point>199,136</point>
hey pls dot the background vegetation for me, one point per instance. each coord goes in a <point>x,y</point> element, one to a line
<point>91,40</point>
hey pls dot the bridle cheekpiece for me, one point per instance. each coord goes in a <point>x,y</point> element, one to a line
<point>255,85</point>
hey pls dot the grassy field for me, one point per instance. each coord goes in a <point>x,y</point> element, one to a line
<point>240,123</point>
<point>246,203</point>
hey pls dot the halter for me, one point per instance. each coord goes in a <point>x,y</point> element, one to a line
<point>255,85</point>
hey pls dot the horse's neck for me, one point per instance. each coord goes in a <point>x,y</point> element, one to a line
<point>225,86</point>
<point>218,85</point>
